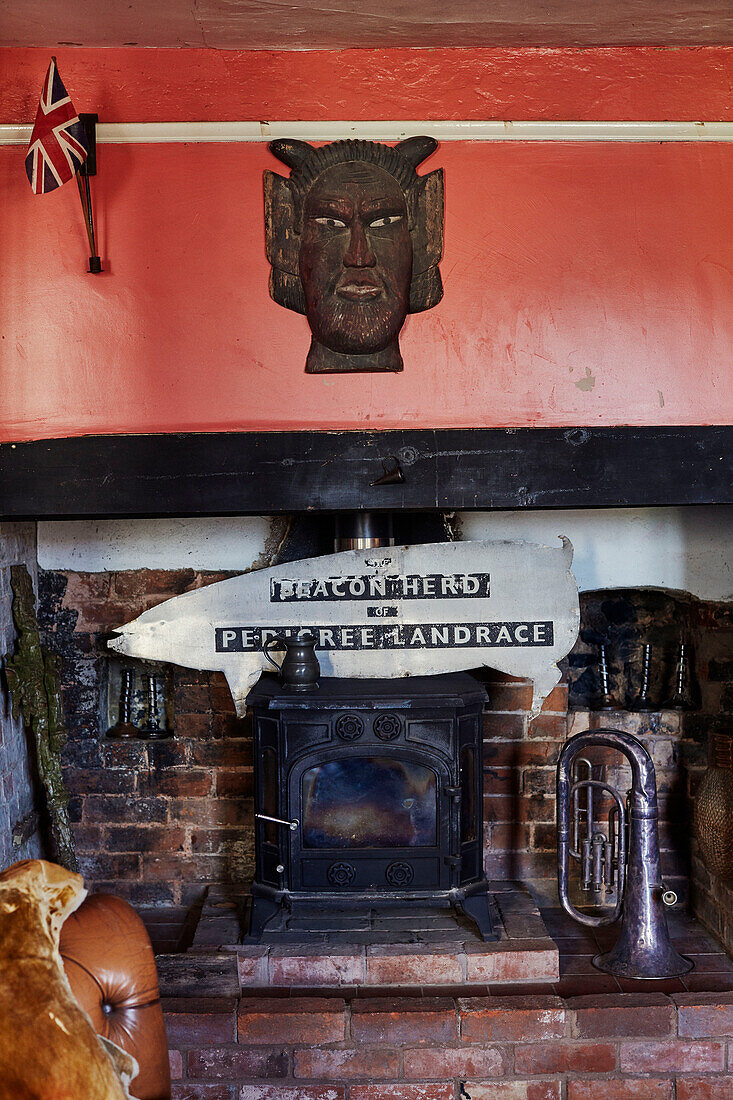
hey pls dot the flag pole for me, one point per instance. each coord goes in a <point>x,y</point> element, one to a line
<point>87,169</point>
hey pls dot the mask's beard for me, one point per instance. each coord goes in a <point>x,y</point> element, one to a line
<point>357,327</point>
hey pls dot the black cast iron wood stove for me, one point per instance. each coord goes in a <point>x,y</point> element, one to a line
<point>368,794</point>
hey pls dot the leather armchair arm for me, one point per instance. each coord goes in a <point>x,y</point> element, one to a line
<point>109,961</point>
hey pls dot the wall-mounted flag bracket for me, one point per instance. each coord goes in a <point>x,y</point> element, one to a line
<point>87,169</point>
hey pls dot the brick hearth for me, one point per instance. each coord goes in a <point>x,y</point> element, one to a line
<point>407,947</point>
<point>585,1036</point>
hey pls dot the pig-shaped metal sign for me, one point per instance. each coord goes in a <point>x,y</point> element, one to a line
<point>391,611</point>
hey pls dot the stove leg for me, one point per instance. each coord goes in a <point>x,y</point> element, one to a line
<point>476,907</point>
<point>264,911</point>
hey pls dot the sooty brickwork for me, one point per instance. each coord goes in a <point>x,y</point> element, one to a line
<point>154,821</point>
<point>18,780</point>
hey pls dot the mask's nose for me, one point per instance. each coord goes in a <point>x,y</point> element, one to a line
<point>359,254</point>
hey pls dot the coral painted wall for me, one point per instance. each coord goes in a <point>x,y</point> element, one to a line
<point>584,282</point>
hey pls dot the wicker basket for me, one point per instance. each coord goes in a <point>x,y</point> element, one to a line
<point>714,809</point>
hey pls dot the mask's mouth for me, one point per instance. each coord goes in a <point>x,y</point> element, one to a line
<point>359,288</point>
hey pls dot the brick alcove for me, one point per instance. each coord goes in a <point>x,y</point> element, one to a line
<point>164,822</point>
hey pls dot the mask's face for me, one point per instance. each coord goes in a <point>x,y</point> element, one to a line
<point>355,258</point>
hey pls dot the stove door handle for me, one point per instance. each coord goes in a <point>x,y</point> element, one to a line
<point>292,825</point>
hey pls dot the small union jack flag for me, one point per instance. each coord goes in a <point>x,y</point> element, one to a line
<point>58,144</point>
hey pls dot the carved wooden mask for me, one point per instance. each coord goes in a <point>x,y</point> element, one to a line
<point>354,238</point>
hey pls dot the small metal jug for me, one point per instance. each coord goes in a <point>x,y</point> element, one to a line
<point>299,669</point>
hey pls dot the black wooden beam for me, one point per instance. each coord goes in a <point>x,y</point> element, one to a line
<point>240,473</point>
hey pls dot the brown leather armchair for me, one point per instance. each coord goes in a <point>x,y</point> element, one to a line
<point>108,959</point>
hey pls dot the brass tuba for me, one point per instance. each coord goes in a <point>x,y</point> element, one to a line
<point>624,860</point>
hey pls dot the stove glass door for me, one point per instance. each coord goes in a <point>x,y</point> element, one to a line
<point>369,802</point>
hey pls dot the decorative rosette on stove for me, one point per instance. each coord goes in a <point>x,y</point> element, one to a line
<point>399,873</point>
<point>349,727</point>
<point>341,874</point>
<point>387,727</point>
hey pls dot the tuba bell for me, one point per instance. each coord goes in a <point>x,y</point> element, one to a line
<point>624,859</point>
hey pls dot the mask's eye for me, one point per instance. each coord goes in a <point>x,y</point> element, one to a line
<point>332,223</point>
<point>388,219</point>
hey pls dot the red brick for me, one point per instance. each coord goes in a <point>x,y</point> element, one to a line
<point>624,1015</point>
<point>184,783</point>
<point>384,967</point>
<point>99,781</point>
<point>144,838</point>
<point>212,841</point>
<point>431,1091</point>
<point>705,1088</point>
<point>192,698</point>
<point>675,1056</point>
<point>513,966</point>
<point>231,782</point>
<point>507,836</point>
<point>549,727</point>
<point>167,753</point>
<point>193,725</point>
<point>347,1065</point>
<point>125,754</point>
<point>291,1020</point>
<point>214,754</point>
<point>514,1090</point>
<point>166,582</point>
<point>699,1021</point>
<point>87,838</point>
<point>234,1064</point>
<point>445,1062</point>
<point>221,696</point>
<point>300,1092</point>
<point>96,617</point>
<point>193,1091</point>
<point>404,1021</point>
<point>500,780</point>
<point>557,700</point>
<point>175,1060</point>
<point>187,1029</point>
<point>516,754</point>
<point>104,808</point>
<point>228,725</point>
<point>88,595</point>
<point>323,970</point>
<point>504,727</point>
<point>544,838</point>
<point>199,869</point>
<point>535,807</point>
<point>565,1058</point>
<point>516,1019</point>
<point>252,968</point>
<point>102,866</point>
<point>509,696</point>
<point>538,781</point>
<point>498,808</point>
<point>627,1089</point>
<point>211,811</point>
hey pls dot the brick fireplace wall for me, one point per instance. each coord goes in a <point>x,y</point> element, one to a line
<point>159,821</point>
<point>18,779</point>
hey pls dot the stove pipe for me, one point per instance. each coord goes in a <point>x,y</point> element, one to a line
<point>363,530</point>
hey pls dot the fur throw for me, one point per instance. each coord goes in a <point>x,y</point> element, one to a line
<point>48,1047</point>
